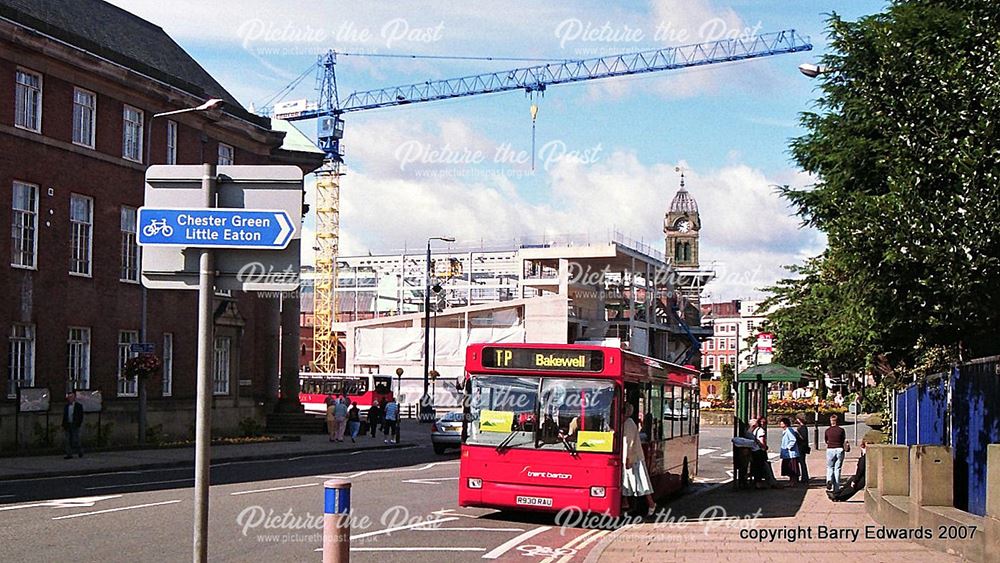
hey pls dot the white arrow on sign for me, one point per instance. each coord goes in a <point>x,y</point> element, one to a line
<point>286,227</point>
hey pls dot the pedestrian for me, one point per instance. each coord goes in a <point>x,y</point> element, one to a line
<point>374,416</point>
<point>331,421</point>
<point>72,421</point>
<point>836,446</point>
<point>354,421</point>
<point>856,482</point>
<point>760,434</point>
<point>758,458</point>
<point>789,451</point>
<point>329,400</point>
<point>390,420</point>
<point>340,409</point>
<point>802,431</point>
<point>635,477</point>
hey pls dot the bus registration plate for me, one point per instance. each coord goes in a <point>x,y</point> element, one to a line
<point>533,501</point>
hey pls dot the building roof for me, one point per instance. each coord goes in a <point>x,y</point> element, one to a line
<point>683,202</point>
<point>126,39</point>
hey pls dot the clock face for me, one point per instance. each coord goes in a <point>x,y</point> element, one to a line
<point>683,225</point>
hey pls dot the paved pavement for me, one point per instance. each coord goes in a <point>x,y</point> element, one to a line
<point>98,462</point>
<point>722,525</point>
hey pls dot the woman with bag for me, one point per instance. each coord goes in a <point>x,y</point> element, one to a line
<point>803,434</point>
<point>635,478</point>
<point>789,451</point>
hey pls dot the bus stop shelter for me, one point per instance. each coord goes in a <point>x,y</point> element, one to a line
<point>752,386</point>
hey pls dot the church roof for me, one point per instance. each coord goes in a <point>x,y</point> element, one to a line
<point>683,202</point>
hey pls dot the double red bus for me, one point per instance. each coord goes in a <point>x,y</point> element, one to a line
<point>543,425</point>
<point>314,388</point>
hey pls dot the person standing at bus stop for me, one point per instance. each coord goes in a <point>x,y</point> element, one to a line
<point>340,417</point>
<point>391,419</point>
<point>374,417</point>
<point>635,477</point>
<point>353,421</point>
<point>836,445</point>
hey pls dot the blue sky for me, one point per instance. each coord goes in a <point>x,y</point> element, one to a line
<point>620,139</point>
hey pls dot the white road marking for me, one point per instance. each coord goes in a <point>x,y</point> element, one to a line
<point>417,549</point>
<point>772,456</point>
<point>473,529</point>
<point>393,470</point>
<point>727,454</point>
<point>451,512</point>
<point>81,502</point>
<point>396,529</point>
<point>7,496</point>
<point>273,489</point>
<point>115,509</point>
<point>512,543</point>
<point>569,549</point>
<point>706,451</point>
<point>139,484</point>
<point>430,481</point>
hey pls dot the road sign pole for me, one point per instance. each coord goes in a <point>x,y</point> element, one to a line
<point>203,415</point>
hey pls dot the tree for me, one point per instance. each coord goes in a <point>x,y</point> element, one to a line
<point>726,382</point>
<point>906,153</point>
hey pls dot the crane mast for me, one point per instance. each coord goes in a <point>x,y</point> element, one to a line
<point>328,110</point>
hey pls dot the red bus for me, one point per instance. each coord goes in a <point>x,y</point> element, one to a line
<point>543,425</point>
<point>314,388</point>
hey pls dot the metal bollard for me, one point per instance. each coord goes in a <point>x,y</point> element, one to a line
<point>337,521</point>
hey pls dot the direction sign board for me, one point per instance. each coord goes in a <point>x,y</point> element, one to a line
<point>240,188</point>
<point>263,229</point>
<point>141,348</point>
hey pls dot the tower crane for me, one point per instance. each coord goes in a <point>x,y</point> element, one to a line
<point>329,109</point>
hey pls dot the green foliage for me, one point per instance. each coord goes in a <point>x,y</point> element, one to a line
<point>40,436</point>
<point>251,427</point>
<point>154,434</point>
<point>726,382</point>
<point>906,152</point>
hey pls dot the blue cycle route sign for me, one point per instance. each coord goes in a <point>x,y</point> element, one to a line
<point>215,228</point>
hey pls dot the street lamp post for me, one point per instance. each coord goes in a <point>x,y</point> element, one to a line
<point>203,420</point>
<point>426,409</point>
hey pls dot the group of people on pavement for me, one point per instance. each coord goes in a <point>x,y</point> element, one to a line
<point>793,449</point>
<point>343,415</point>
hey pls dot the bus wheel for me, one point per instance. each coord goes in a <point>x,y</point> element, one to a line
<point>685,474</point>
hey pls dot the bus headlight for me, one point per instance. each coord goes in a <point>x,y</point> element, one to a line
<point>475,483</point>
<point>597,492</point>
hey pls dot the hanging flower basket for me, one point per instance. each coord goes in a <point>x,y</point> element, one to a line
<point>142,366</point>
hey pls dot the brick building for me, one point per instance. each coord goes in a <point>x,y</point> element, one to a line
<point>732,322</point>
<point>79,82</point>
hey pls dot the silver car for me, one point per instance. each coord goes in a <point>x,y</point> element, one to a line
<point>447,432</point>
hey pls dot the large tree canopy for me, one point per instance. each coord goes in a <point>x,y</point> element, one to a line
<point>906,151</point>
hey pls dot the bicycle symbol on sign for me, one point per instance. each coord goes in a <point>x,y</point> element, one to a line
<point>542,551</point>
<point>157,226</point>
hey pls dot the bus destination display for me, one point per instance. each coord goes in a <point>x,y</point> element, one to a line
<point>543,359</point>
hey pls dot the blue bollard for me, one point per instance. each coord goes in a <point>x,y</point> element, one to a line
<point>336,521</point>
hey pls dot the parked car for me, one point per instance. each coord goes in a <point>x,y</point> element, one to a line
<point>447,432</point>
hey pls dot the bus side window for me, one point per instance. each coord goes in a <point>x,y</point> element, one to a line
<point>668,411</point>
<point>678,412</point>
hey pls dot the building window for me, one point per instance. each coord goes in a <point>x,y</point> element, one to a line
<point>21,358</point>
<point>220,376</point>
<point>710,344</point>
<point>732,361</point>
<point>226,154</point>
<point>78,354</point>
<point>81,220</point>
<point>751,326</point>
<point>171,142</point>
<point>84,109</point>
<point>732,343</point>
<point>132,134</point>
<point>24,226</point>
<point>130,251</point>
<point>126,338</point>
<point>711,362</point>
<point>28,101</point>
<point>168,364</point>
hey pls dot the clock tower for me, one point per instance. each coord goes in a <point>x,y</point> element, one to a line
<point>681,228</point>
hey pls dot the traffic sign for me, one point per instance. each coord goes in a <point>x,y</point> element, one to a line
<point>141,348</point>
<point>262,229</point>
<point>241,188</point>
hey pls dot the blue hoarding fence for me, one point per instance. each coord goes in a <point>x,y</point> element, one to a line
<point>215,228</point>
<point>961,409</point>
